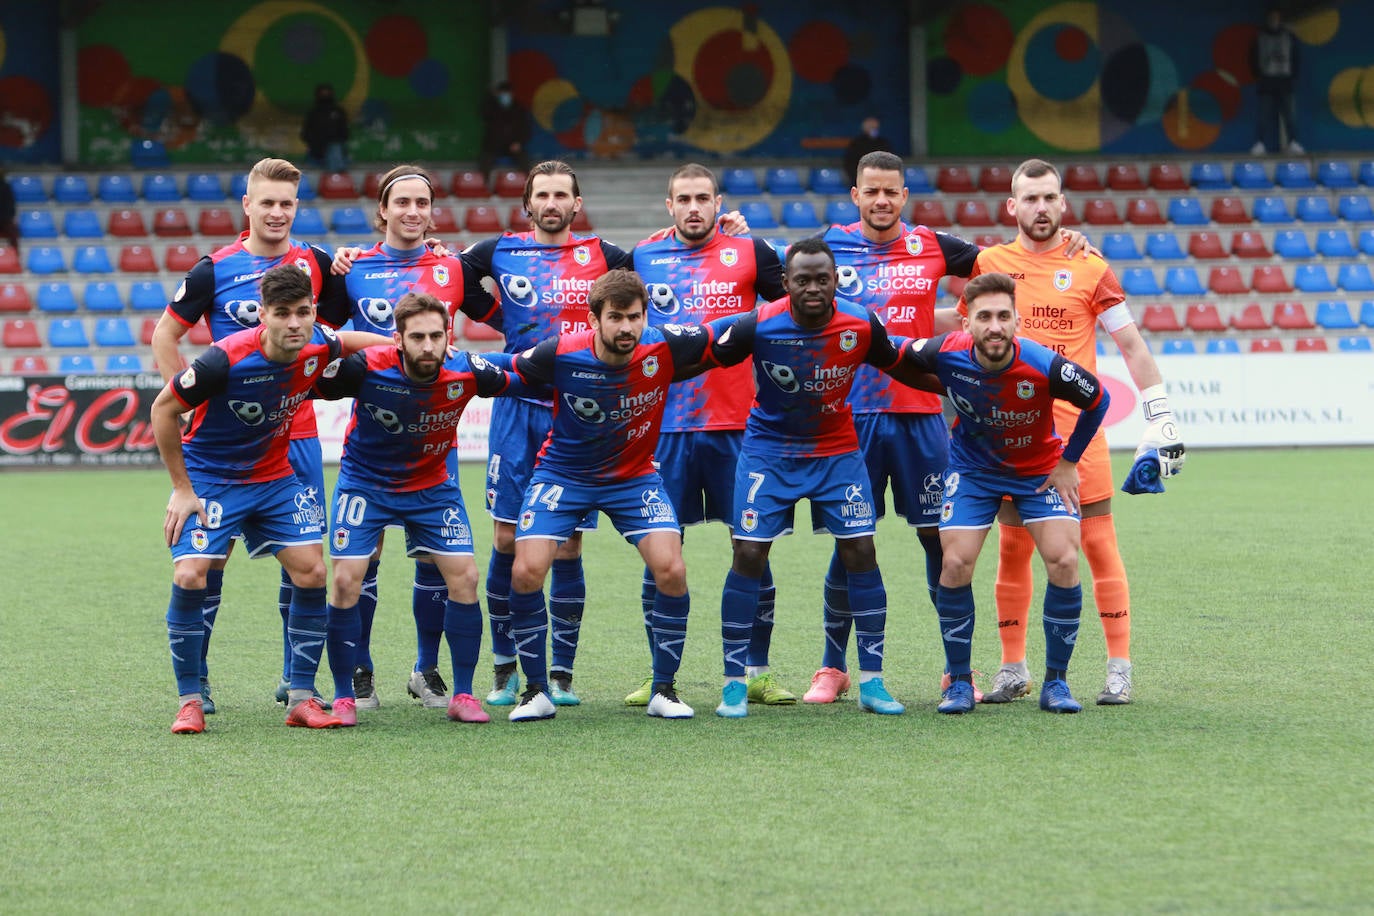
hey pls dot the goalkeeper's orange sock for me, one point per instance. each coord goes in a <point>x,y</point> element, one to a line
<point>1012,591</point>
<point>1111,591</point>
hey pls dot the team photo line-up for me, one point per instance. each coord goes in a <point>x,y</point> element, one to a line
<point>695,378</point>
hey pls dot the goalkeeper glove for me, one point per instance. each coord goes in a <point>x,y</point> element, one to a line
<point>1161,433</point>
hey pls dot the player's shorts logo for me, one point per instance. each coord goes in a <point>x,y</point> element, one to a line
<point>650,366</point>
<point>582,255</point>
<point>250,413</point>
<point>587,409</point>
<point>782,376</point>
<point>952,484</point>
<point>749,519</point>
<point>663,299</point>
<point>306,499</point>
<point>453,516</point>
<point>850,283</point>
<point>947,511</point>
<point>1063,279</point>
<point>526,519</point>
<point>246,313</point>
<point>386,419</point>
<point>340,538</point>
<point>854,493</point>
<point>455,390</point>
<point>199,539</point>
<point>519,290</point>
<point>311,365</point>
<point>729,257</point>
<point>491,498</point>
<point>440,274</point>
<point>379,312</point>
<point>914,245</point>
<point>1025,390</point>
<point>849,340</point>
<point>934,484</point>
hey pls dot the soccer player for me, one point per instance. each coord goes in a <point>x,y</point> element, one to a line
<point>231,472</point>
<point>610,384</point>
<point>695,273</point>
<point>222,290</point>
<point>1061,303</point>
<point>800,442</point>
<point>1004,445</point>
<point>408,400</point>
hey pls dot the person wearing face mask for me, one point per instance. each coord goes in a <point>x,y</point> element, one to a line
<point>869,140</point>
<point>325,131</point>
<point>506,130</point>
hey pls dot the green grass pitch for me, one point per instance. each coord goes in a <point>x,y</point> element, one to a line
<point>1237,782</point>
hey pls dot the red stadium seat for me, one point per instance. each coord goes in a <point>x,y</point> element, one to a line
<point>1144,211</point>
<point>1165,176</point>
<point>1082,178</point>
<point>510,184</point>
<point>929,213</point>
<point>972,213</point>
<point>516,220</point>
<point>1226,281</point>
<point>471,184</point>
<point>181,258</point>
<point>1205,246</point>
<point>1266,345</point>
<point>476,330</point>
<point>995,179</point>
<point>1250,318</point>
<point>216,221</point>
<point>954,286</point>
<point>443,220</point>
<point>1203,316</point>
<point>1068,217</point>
<point>127,224</point>
<point>1249,244</point>
<point>481,220</point>
<point>199,334</point>
<point>1292,316</point>
<point>1310,345</point>
<point>20,332</point>
<point>1229,211</point>
<point>1124,178</point>
<point>30,364</point>
<point>337,186</point>
<point>987,240</point>
<point>15,298</point>
<point>145,331</point>
<point>954,179</point>
<point>1270,279</point>
<point>137,259</point>
<point>1101,211</point>
<point>1160,319</point>
<point>9,260</point>
<point>1006,218</point>
<point>581,222</point>
<point>372,185</point>
<point>171,223</point>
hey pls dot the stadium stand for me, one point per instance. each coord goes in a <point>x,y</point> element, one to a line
<point>1124,177</point>
<point>783,180</point>
<point>1204,317</point>
<point>1250,318</point>
<point>56,297</point>
<point>1222,345</point>
<point>466,183</point>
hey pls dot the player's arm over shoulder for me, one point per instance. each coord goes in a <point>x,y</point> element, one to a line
<point>732,338</point>
<point>690,345</point>
<point>535,366</point>
<point>196,294</point>
<point>205,378</point>
<point>343,377</point>
<point>910,369</point>
<point>768,275</point>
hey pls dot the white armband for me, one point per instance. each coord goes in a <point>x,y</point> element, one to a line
<point>1116,317</point>
<point>1154,401</point>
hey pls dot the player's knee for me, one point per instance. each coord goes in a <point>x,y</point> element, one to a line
<point>956,569</point>
<point>308,575</point>
<point>570,549</point>
<point>503,538</point>
<point>857,554</point>
<point>347,586</point>
<point>462,583</point>
<point>671,578</point>
<point>188,577</point>
<point>750,557</point>
<point>1061,567</point>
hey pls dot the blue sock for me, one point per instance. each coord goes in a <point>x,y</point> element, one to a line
<point>567,601</point>
<point>498,605</point>
<point>529,628</point>
<point>214,585</point>
<point>463,629</point>
<point>838,619</point>
<point>367,610</point>
<point>648,593</point>
<point>738,602</point>
<point>761,636</point>
<point>935,559</point>
<point>185,634</point>
<point>427,600</point>
<point>1063,608</point>
<point>954,607</point>
<point>868,602</point>
<point>307,627</point>
<point>670,635</point>
<point>284,608</point>
<point>342,643</point>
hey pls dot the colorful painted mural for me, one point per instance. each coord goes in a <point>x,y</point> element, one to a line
<point>30,116</point>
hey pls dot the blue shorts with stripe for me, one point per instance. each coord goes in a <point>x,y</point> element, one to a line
<point>518,431</point>
<point>272,515</point>
<point>908,451</point>
<point>553,505</point>
<point>434,519</point>
<point>698,471</point>
<point>972,499</point>
<point>767,488</point>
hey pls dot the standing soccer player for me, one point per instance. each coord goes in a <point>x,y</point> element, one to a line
<point>1005,446</point>
<point>610,384</point>
<point>1061,303</point>
<point>222,290</point>
<point>408,401</point>
<point>696,273</point>
<point>231,472</point>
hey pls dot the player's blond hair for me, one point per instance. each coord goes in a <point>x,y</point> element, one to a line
<point>273,170</point>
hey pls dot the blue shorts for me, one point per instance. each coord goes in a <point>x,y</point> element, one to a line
<point>434,519</point>
<point>518,431</point>
<point>972,499</point>
<point>279,513</point>
<point>698,471</point>
<point>767,488</point>
<point>908,451</point>
<point>554,505</point>
<point>307,460</point>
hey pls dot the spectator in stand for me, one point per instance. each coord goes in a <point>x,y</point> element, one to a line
<point>325,131</point>
<point>869,140</point>
<point>8,228</point>
<point>506,130</point>
<point>1274,60</point>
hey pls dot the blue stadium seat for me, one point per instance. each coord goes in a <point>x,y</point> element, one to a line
<point>1366,241</point>
<point>739,181</point>
<point>783,180</point>
<point>348,219</point>
<point>1223,345</point>
<point>71,189</point>
<point>1334,315</point>
<point>116,189</point>
<point>1335,174</point>
<point>1271,210</point>
<point>308,224</point>
<point>1366,172</point>
<point>828,181</point>
<point>238,186</point>
<point>114,332</point>
<point>1293,175</point>
<point>148,154</point>
<point>1354,345</point>
<point>1163,246</point>
<point>102,296</point>
<point>67,332</point>
<point>758,215</point>
<point>1335,243</point>
<point>1187,211</point>
<point>82,224</point>
<point>306,191</point>
<point>917,181</point>
<point>1355,278</point>
<point>1367,313</point>
<point>123,362</point>
<point>92,259</point>
<point>1120,246</point>
<point>1183,281</point>
<point>1140,281</point>
<point>1209,176</point>
<point>1312,278</point>
<point>76,364</point>
<point>56,297</point>
<point>841,212</point>
<point>160,188</point>
<point>1178,346</point>
<point>1290,243</point>
<point>799,214</point>
<point>1315,209</point>
<point>1251,176</point>
<point>28,189</point>
<point>37,224</point>
<point>1355,208</point>
<point>204,187</point>
<point>45,260</point>
<point>147,296</point>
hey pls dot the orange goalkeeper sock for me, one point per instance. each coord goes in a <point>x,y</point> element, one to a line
<point>1111,591</point>
<point>1012,590</point>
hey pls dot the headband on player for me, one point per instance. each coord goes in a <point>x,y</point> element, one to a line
<point>381,195</point>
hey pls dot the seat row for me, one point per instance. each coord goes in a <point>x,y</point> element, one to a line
<point>1185,346</point>
<point>1146,211</point>
<point>99,296</point>
<point>1206,317</point>
<point>1229,281</point>
<point>74,333</point>
<point>46,260</point>
<point>1246,244</point>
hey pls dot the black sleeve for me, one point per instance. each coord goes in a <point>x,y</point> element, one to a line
<point>732,338</point>
<point>615,256</point>
<point>924,353</point>
<point>195,297</point>
<point>334,307</point>
<point>959,254</point>
<point>1071,382</point>
<point>535,366</point>
<point>690,345</point>
<point>207,377</point>
<point>478,257</point>
<point>881,352</point>
<point>492,373</point>
<point>478,304</point>
<point>343,378</point>
<point>768,280</point>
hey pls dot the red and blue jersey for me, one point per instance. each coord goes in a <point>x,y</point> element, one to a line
<point>725,276</point>
<point>606,418</point>
<point>1005,421</point>
<point>244,404</point>
<point>401,430</point>
<point>898,280</point>
<point>382,275</point>
<point>803,375</point>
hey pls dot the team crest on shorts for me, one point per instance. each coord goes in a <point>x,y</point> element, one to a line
<point>914,245</point>
<point>455,390</point>
<point>1025,390</point>
<point>491,498</point>
<point>340,538</point>
<point>440,273</point>
<point>1063,279</point>
<point>311,364</point>
<point>526,519</point>
<point>199,539</point>
<point>749,519</point>
<point>848,340</point>
<point>650,366</point>
<point>582,255</point>
<point>947,511</point>
<point>729,257</point>
<point>304,264</point>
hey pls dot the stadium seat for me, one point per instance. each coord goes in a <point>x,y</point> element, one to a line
<point>1209,176</point>
<point>160,188</point>
<point>1226,281</point>
<point>954,179</point>
<point>1160,319</point>
<point>516,219</point>
<point>171,223</point>
<point>1163,246</point>
<point>181,258</point>
<point>204,187</point>
<point>123,362</point>
<point>14,298</point>
<point>1144,211</point>
<point>1334,315</point>
<point>828,181</point>
<point>1294,175</point>
<point>1269,279</point>
<point>1187,211</point>
<point>1101,211</point>
<point>1120,246</point>
<point>476,330</point>
<point>20,332</point>
<point>45,259</point>
<point>238,186</point>
<point>1204,317</point>
<point>92,259</point>
<point>337,186</point>
<point>1250,318</point>
<point>102,296</point>
<point>37,224</point>
<point>81,224</point>
<point>127,224</point>
<point>147,296</point>
<point>1266,345</point>
<point>917,180</point>
<point>9,260</point>
<point>481,220</point>
<point>137,259</point>
<point>1292,316</point>
<point>1335,174</point>
<point>468,184</point>
<point>1140,281</point>
<point>1222,345</point>
<point>1206,246</point>
<point>200,334</point>
<point>67,332</point>
<point>113,332</point>
<point>973,213</point>
<point>28,189</point>
<point>306,189</point>
<point>1271,210</point>
<point>346,220</point>
<point>148,154</point>
<point>1344,344</point>
<point>581,221</point>
<point>929,213</point>
<point>1335,243</point>
<point>443,221</point>
<point>76,364</point>
<point>56,297</point>
<point>71,189</point>
<point>783,180</point>
<point>37,364</point>
<point>799,214</point>
<point>1229,210</point>
<point>995,179</point>
<point>1183,281</point>
<point>1082,178</point>
<point>372,185</point>
<point>146,329</point>
<point>1355,208</point>
<point>1355,278</point>
<point>841,212</point>
<point>1314,208</point>
<point>116,189</point>
<point>308,223</point>
<point>1007,218</point>
<point>1310,345</point>
<point>1291,243</point>
<point>1366,172</point>
<point>737,181</point>
<point>1177,346</point>
<point>1124,177</point>
<point>1250,176</point>
<point>1166,176</point>
<point>217,221</point>
<point>1365,242</point>
<point>509,184</point>
<point>758,214</point>
<point>1312,278</point>
<point>988,239</point>
<point>1367,313</point>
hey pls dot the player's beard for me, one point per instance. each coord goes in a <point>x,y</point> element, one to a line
<point>553,220</point>
<point>881,221</point>
<point>994,350</point>
<point>619,344</point>
<point>699,232</point>
<point>1040,231</point>
<point>423,369</point>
